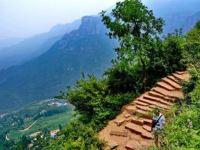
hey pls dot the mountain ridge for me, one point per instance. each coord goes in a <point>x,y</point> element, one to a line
<point>45,76</point>
<point>34,46</point>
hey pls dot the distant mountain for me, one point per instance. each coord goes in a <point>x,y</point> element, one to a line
<point>176,13</point>
<point>86,49</point>
<point>190,22</point>
<point>33,47</point>
<point>166,7</point>
<point>9,42</point>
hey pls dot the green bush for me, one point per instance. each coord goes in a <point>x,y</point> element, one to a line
<point>124,77</point>
<point>142,59</point>
<point>94,103</point>
<point>183,129</point>
<point>76,136</point>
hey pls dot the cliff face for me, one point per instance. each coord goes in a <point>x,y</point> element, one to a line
<point>86,49</point>
<point>92,26</point>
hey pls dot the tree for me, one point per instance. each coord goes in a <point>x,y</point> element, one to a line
<point>192,46</point>
<point>94,103</point>
<point>197,26</point>
<point>88,96</point>
<point>137,30</point>
<point>173,46</point>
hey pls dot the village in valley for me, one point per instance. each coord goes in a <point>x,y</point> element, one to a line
<point>41,120</point>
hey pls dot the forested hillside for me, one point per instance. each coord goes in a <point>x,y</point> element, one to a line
<point>41,117</point>
<point>176,13</point>
<point>30,48</point>
<point>142,59</point>
<point>86,50</point>
<point>57,78</point>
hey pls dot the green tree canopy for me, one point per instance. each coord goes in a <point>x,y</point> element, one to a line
<point>197,26</point>
<point>137,30</point>
<point>192,46</point>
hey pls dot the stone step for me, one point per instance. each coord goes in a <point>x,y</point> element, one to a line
<point>137,121</point>
<point>143,113</point>
<point>134,128</point>
<point>146,127</point>
<point>185,76</point>
<point>180,72</point>
<point>127,115</point>
<point>155,94</point>
<point>172,83</point>
<point>139,130</point>
<point>112,144</point>
<point>147,135</point>
<point>175,94</point>
<point>141,121</point>
<point>154,103</point>
<point>130,109</point>
<point>122,133</point>
<point>177,76</point>
<point>119,122</point>
<point>147,121</point>
<point>165,86</point>
<point>132,145</point>
<point>158,95</point>
<point>140,103</point>
<point>156,89</point>
<point>165,93</point>
<point>154,106</point>
<point>144,108</point>
<point>173,79</point>
<point>160,100</point>
<point>156,100</point>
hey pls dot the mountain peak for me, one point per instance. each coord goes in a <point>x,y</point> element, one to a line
<point>91,25</point>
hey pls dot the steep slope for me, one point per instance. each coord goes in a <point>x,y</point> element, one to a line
<point>87,50</point>
<point>131,129</point>
<point>33,46</point>
<point>9,42</point>
<point>191,21</point>
<point>174,12</point>
<point>173,6</point>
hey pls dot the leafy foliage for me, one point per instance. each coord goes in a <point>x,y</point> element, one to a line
<point>197,26</point>
<point>86,49</point>
<point>173,47</point>
<point>76,136</point>
<point>182,130</point>
<point>192,46</point>
<point>137,30</point>
<point>13,125</point>
<point>142,58</point>
<point>93,101</point>
<point>141,52</point>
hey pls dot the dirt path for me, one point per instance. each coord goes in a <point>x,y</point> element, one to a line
<point>131,129</point>
<point>28,126</point>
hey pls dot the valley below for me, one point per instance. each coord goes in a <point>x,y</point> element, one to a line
<point>42,117</point>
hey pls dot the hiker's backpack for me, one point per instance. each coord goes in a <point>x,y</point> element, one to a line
<point>154,122</point>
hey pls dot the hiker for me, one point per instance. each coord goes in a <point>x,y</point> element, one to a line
<point>157,125</point>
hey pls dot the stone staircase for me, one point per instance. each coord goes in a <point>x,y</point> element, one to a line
<point>131,129</point>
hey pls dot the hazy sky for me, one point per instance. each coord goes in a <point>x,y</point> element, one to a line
<point>23,18</point>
